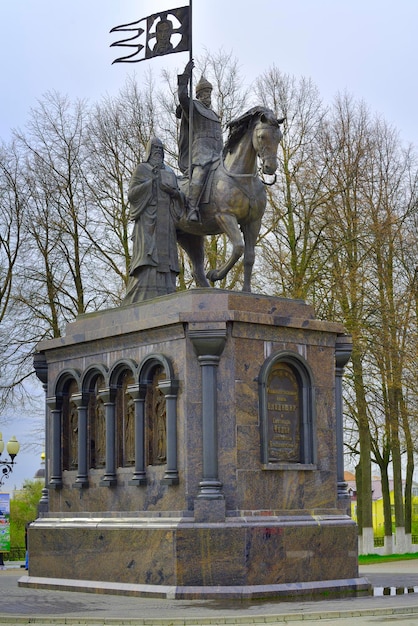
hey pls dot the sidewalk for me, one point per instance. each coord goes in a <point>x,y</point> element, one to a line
<point>39,606</point>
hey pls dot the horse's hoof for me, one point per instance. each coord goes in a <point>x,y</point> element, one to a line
<point>200,280</point>
<point>212,275</point>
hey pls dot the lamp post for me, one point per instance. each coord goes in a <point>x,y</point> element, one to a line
<point>12,448</point>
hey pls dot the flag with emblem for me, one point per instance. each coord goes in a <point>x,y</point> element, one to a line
<point>156,35</point>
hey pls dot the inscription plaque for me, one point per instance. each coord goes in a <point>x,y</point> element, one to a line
<point>283,415</point>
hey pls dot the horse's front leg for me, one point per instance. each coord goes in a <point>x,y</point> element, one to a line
<point>250,232</point>
<point>193,245</point>
<point>229,225</point>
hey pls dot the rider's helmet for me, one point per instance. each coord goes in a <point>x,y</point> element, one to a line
<point>202,85</point>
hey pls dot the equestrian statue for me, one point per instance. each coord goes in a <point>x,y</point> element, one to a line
<point>223,191</point>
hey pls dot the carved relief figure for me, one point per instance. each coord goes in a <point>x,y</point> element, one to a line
<point>160,429</point>
<point>97,426</point>
<point>156,421</point>
<point>73,436</point>
<point>100,439</point>
<point>129,456</point>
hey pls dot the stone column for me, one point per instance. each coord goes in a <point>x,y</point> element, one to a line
<point>108,396</point>
<point>81,402</point>
<point>343,349</point>
<point>41,369</point>
<point>209,345</point>
<point>138,393</point>
<point>55,406</point>
<point>169,389</point>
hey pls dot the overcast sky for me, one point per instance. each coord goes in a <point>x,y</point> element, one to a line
<point>365,47</point>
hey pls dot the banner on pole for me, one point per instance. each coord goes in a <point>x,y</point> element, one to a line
<point>156,35</point>
<point>4,522</point>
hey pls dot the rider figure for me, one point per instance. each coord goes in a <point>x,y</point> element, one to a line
<point>207,140</point>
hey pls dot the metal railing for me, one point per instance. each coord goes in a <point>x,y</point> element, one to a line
<point>15,554</point>
<point>379,542</point>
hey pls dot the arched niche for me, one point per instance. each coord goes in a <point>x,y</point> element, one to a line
<point>156,416</point>
<point>67,387</point>
<point>149,363</point>
<point>287,413</point>
<point>63,425</point>
<point>94,382</point>
<point>64,379</point>
<point>122,377</point>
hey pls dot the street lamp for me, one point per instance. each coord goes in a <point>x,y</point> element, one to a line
<point>12,448</point>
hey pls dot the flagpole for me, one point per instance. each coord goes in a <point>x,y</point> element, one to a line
<point>190,91</point>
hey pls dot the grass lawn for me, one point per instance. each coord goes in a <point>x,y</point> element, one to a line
<point>368,559</point>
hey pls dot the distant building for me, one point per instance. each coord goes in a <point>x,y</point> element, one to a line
<point>40,473</point>
<point>377,501</point>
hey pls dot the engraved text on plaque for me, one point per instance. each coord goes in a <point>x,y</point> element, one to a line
<point>283,415</point>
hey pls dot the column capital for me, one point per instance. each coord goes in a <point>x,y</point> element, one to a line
<point>54,403</point>
<point>169,387</point>
<point>40,366</point>
<point>80,399</point>
<point>138,391</point>
<point>208,341</point>
<point>343,350</point>
<point>107,395</point>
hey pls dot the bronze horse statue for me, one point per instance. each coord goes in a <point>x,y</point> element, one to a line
<point>237,198</point>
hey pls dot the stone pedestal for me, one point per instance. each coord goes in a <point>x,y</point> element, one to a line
<point>234,492</point>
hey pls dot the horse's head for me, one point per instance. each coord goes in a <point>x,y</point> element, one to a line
<point>266,138</point>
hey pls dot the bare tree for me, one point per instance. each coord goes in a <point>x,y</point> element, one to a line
<point>390,200</point>
<point>55,161</point>
<point>346,152</point>
<point>117,133</point>
<point>12,209</point>
<point>291,241</point>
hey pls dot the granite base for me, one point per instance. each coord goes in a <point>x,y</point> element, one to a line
<point>315,590</point>
<point>182,558</point>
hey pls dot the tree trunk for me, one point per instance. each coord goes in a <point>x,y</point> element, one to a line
<point>364,486</point>
<point>409,468</point>
<point>387,509</point>
<point>365,447</point>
